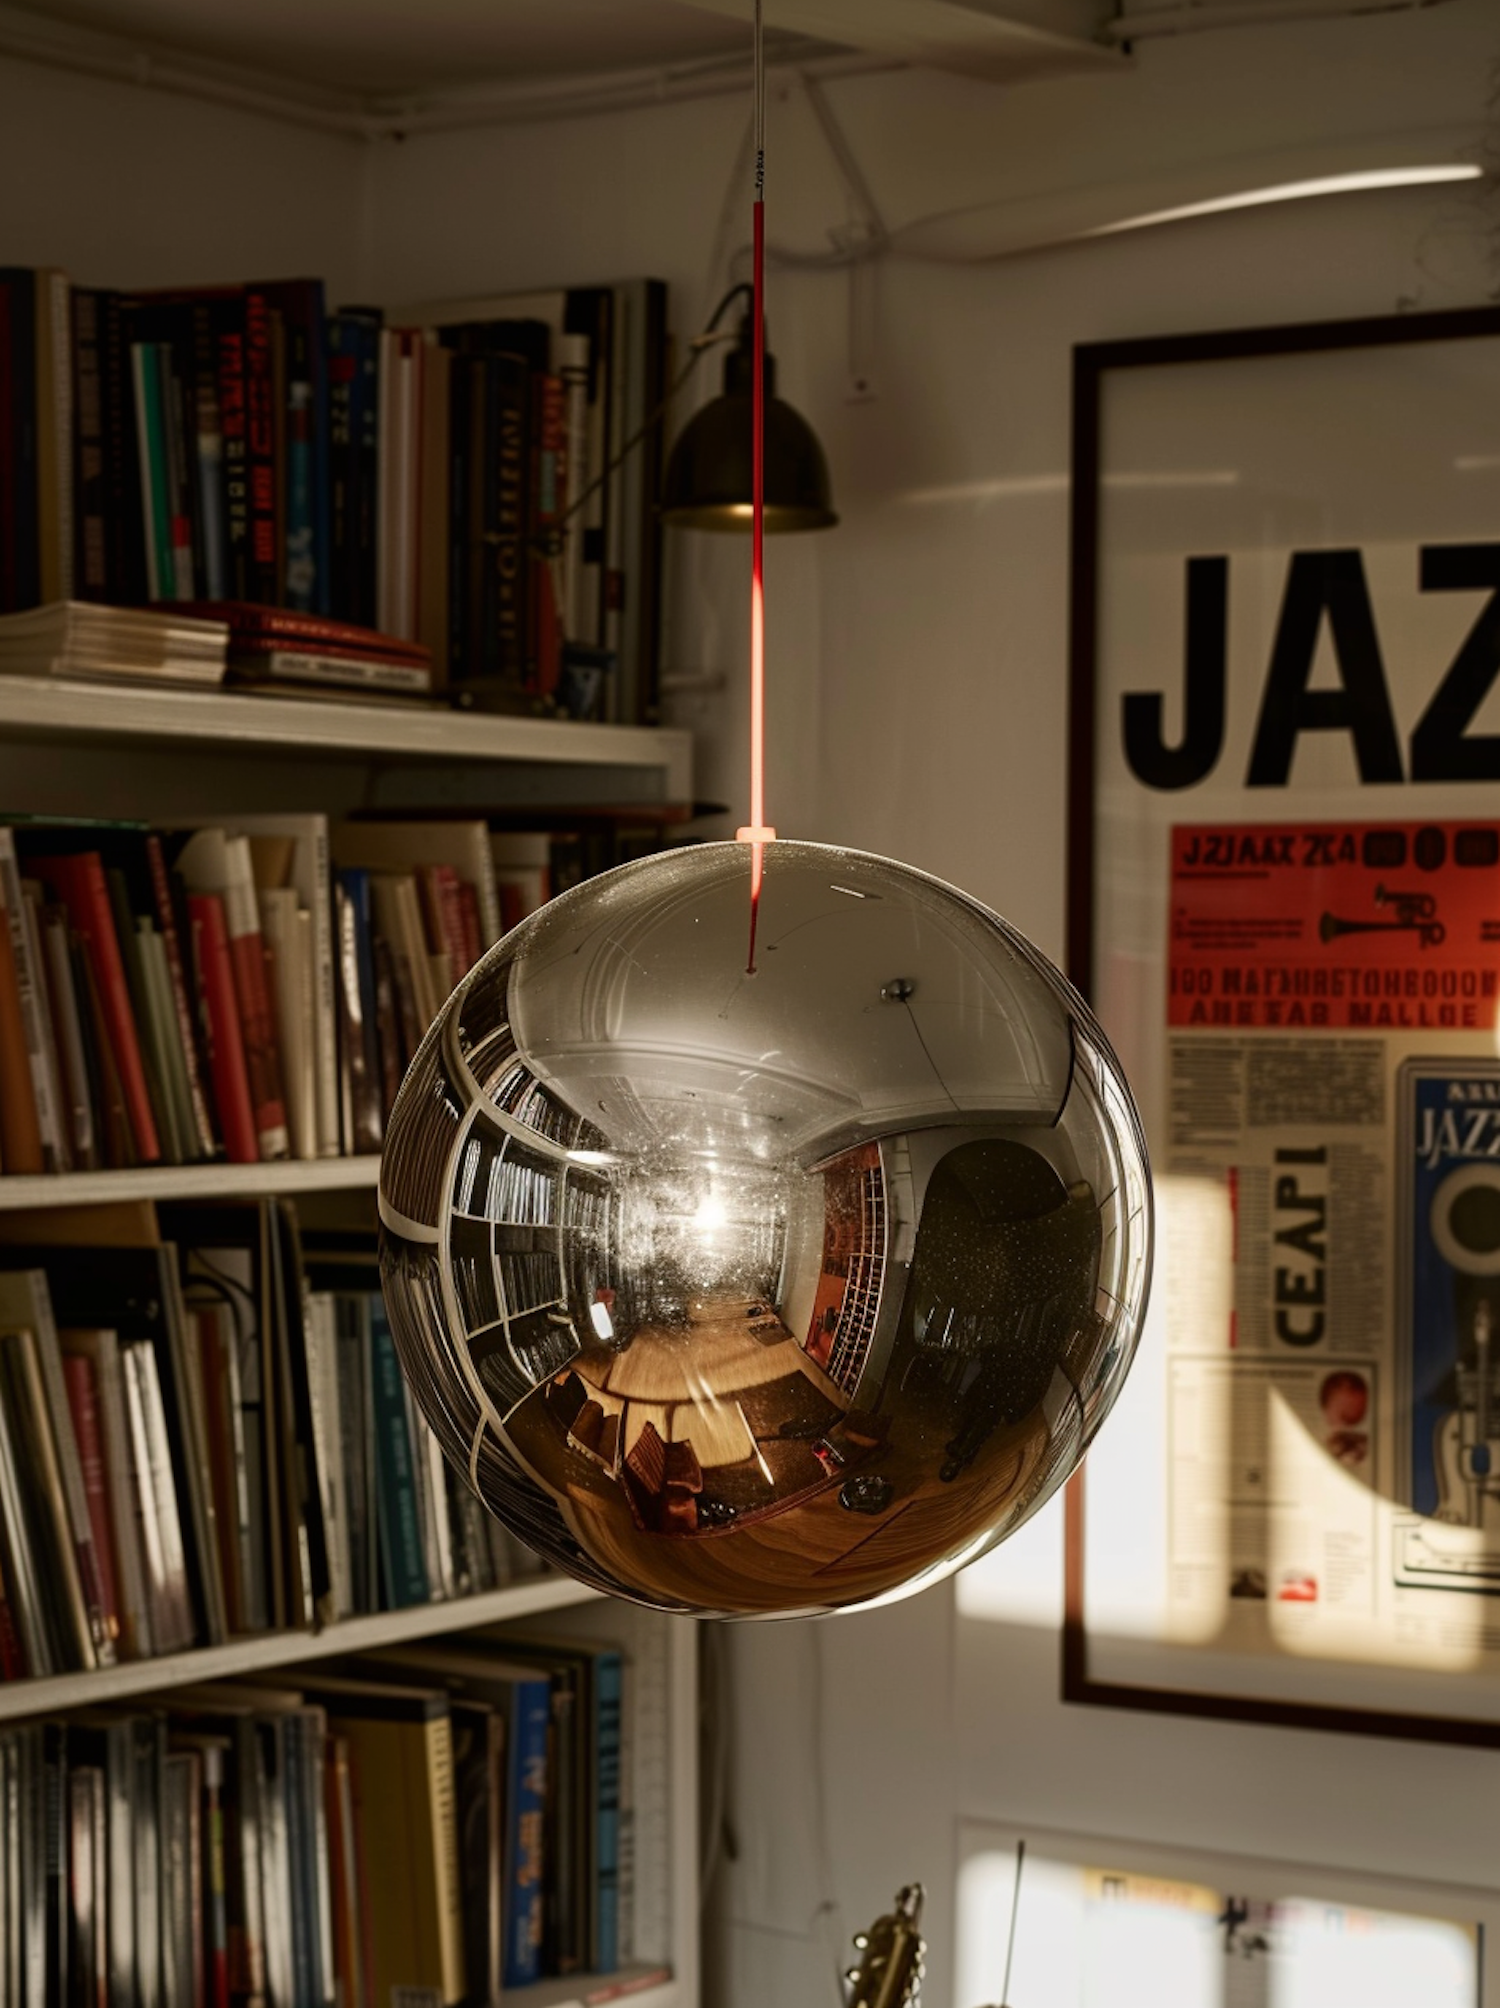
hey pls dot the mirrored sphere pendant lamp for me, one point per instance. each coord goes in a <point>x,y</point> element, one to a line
<point>765,1226</point>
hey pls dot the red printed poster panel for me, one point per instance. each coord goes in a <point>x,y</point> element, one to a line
<point>1378,927</point>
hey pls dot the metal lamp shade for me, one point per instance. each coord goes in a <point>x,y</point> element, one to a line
<point>708,478</point>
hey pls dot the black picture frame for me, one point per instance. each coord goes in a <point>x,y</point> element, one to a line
<point>1097,368</point>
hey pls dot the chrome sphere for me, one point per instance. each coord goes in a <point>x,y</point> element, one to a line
<point>767,1293</point>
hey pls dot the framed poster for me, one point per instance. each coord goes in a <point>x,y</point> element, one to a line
<point>1284,886</point>
<point>1099,1921</point>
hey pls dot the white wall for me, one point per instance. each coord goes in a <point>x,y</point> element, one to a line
<point>919,708</point>
<point>133,187</point>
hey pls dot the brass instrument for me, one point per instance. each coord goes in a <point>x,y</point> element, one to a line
<point>1416,913</point>
<point>889,1974</point>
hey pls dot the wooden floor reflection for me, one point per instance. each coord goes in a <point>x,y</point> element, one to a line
<point>751,1443</point>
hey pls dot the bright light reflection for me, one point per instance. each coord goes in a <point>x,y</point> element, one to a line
<point>602,1322</point>
<point>711,1215</point>
<point>1012,486</point>
<point>1297,191</point>
<point>1090,1937</point>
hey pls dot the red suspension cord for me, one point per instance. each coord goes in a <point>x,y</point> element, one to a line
<point>757,833</point>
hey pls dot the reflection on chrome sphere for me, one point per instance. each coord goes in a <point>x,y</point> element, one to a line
<point>775,1293</point>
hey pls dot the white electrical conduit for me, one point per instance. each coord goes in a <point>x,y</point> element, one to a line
<point>1195,18</point>
<point>1034,222</point>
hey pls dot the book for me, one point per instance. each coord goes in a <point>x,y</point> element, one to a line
<point>362,1113</point>
<point>20,1124</point>
<point>353,441</point>
<point>76,1085</point>
<point>400,1741</point>
<point>88,1431</point>
<point>220,1017</point>
<point>133,1289</point>
<point>22,1562</point>
<point>287,930</point>
<point>76,878</point>
<point>26,1300</point>
<point>292,851</point>
<point>44,1504</point>
<point>305,1534</point>
<point>318,669</point>
<point>523,1696</point>
<point>170,900</point>
<point>48,1151</point>
<point>413,845</point>
<point>12,1656</point>
<point>77,639</point>
<point>600,1670</point>
<point>215,1326</point>
<point>403,1565</point>
<point>87,1869</point>
<point>479,1792</point>
<point>181,1850</point>
<point>347,1880</point>
<point>216,863</point>
<point>223,1253</point>
<point>168,1600</point>
<point>105,1434</point>
<point>36,443</point>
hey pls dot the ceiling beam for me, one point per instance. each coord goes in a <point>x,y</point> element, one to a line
<point>935,34</point>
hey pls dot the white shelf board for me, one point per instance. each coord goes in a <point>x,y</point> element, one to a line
<point>633,1983</point>
<point>189,1181</point>
<point>273,1649</point>
<point>58,708</point>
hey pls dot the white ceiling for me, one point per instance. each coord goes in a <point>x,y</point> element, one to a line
<point>394,48</point>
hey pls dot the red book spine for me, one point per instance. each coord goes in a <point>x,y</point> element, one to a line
<point>166,921</point>
<point>443,913</point>
<point>551,476</point>
<point>12,1658</point>
<point>226,1048</point>
<point>247,957</point>
<point>78,881</point>
<point>229,357</point>
<point>468,911</point>
<point>83,1406</point>
<point>260,437</point>
<point>20,1130</point>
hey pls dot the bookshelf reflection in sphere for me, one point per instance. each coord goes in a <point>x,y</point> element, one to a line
<point>773,1293</point>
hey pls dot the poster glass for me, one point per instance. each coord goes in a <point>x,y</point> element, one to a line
<point>1285,892</point>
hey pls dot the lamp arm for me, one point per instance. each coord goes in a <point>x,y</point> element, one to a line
<point>697,347</point>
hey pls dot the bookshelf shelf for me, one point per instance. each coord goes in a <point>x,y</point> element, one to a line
<point>640,1984</point>
<point>243,1365</point>
<point>189,1181</point>
<point>62,710</point>
<point>22,1698</point>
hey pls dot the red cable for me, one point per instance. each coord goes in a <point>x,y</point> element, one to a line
<point>758,586</point>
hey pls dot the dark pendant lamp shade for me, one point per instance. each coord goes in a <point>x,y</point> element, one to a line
<point>708,478</point>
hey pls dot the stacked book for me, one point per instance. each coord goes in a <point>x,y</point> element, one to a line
<point>413,473</point>
<point>251,989</point>
<point>431,1828</point>
<point>273,650</point>
<point>205,1434</point>
<point>114,644</point>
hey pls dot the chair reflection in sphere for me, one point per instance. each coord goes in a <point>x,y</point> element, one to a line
<point>769,1293</point>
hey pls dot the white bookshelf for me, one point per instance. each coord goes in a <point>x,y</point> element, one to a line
<point>115,751</point>
<point>269,1650</point>
<point>189,1181</point>
<point>63,712</point>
